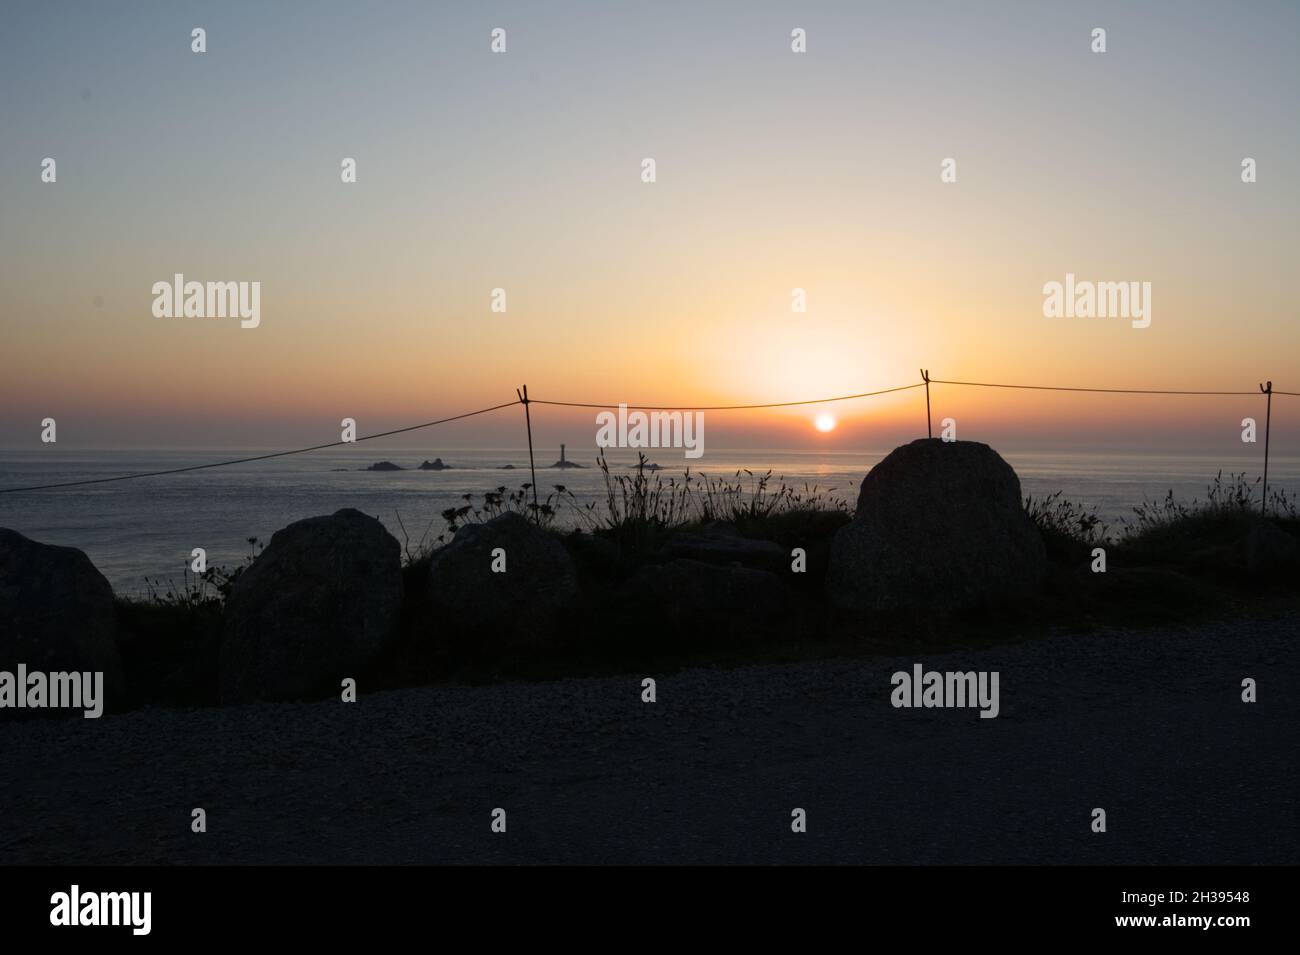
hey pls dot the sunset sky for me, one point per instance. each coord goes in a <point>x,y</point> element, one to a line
<point>522,170</point>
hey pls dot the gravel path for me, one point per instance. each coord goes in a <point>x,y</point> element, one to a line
<point>1148,725</point>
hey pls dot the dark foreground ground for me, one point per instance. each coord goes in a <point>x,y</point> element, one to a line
<point>1148,725</point>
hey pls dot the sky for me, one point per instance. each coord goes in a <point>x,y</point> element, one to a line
<point>522,170</point>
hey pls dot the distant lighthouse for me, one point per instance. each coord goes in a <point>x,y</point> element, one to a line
<point>565,462</point>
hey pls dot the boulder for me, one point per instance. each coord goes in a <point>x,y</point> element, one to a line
<point>718,543</point>
<point>691,603</point>
<point>524,606</point>
<point>939,526</point>
<point>1267,550</point>
<point>319,604</point>
<point>56,613</point>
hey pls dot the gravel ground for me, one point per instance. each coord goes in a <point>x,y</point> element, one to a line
<point>1148,725</point>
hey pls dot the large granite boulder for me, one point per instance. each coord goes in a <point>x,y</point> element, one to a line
<point>317,605</point>
<point>939,526</point>
<point>475,606</point>
<point>56,613</point>
<point>691,603</point>
<point>1267,550</point>
<point>719,543</point>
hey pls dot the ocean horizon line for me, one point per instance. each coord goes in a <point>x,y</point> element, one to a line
<point>1142,450</point>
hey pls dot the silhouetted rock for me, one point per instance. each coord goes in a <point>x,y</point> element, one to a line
<point>719,543</point>
<point>520,607</point>
<point>56,613</point>
<point>385,466</point>
<point>435,465</point>
<point>1266,549</point>
<point>691,603</point>
<point>315,607</point>
<point>939,526</point>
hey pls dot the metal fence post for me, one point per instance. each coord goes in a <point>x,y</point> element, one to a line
<point>1268,421</point>
<point>532,466</point>
<point>925,376</point>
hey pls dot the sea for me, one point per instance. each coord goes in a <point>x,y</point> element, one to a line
<point>140,533</point>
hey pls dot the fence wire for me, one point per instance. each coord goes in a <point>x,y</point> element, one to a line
<point>633,407</point>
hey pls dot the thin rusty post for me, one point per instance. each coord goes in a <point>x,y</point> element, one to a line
<point>1268,421</point>
<point>925,376</point>
<point>532,465</point>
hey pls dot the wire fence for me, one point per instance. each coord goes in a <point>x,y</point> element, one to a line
<point>522,398</point>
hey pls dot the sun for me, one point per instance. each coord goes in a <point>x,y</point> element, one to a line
<point>824,422</point>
